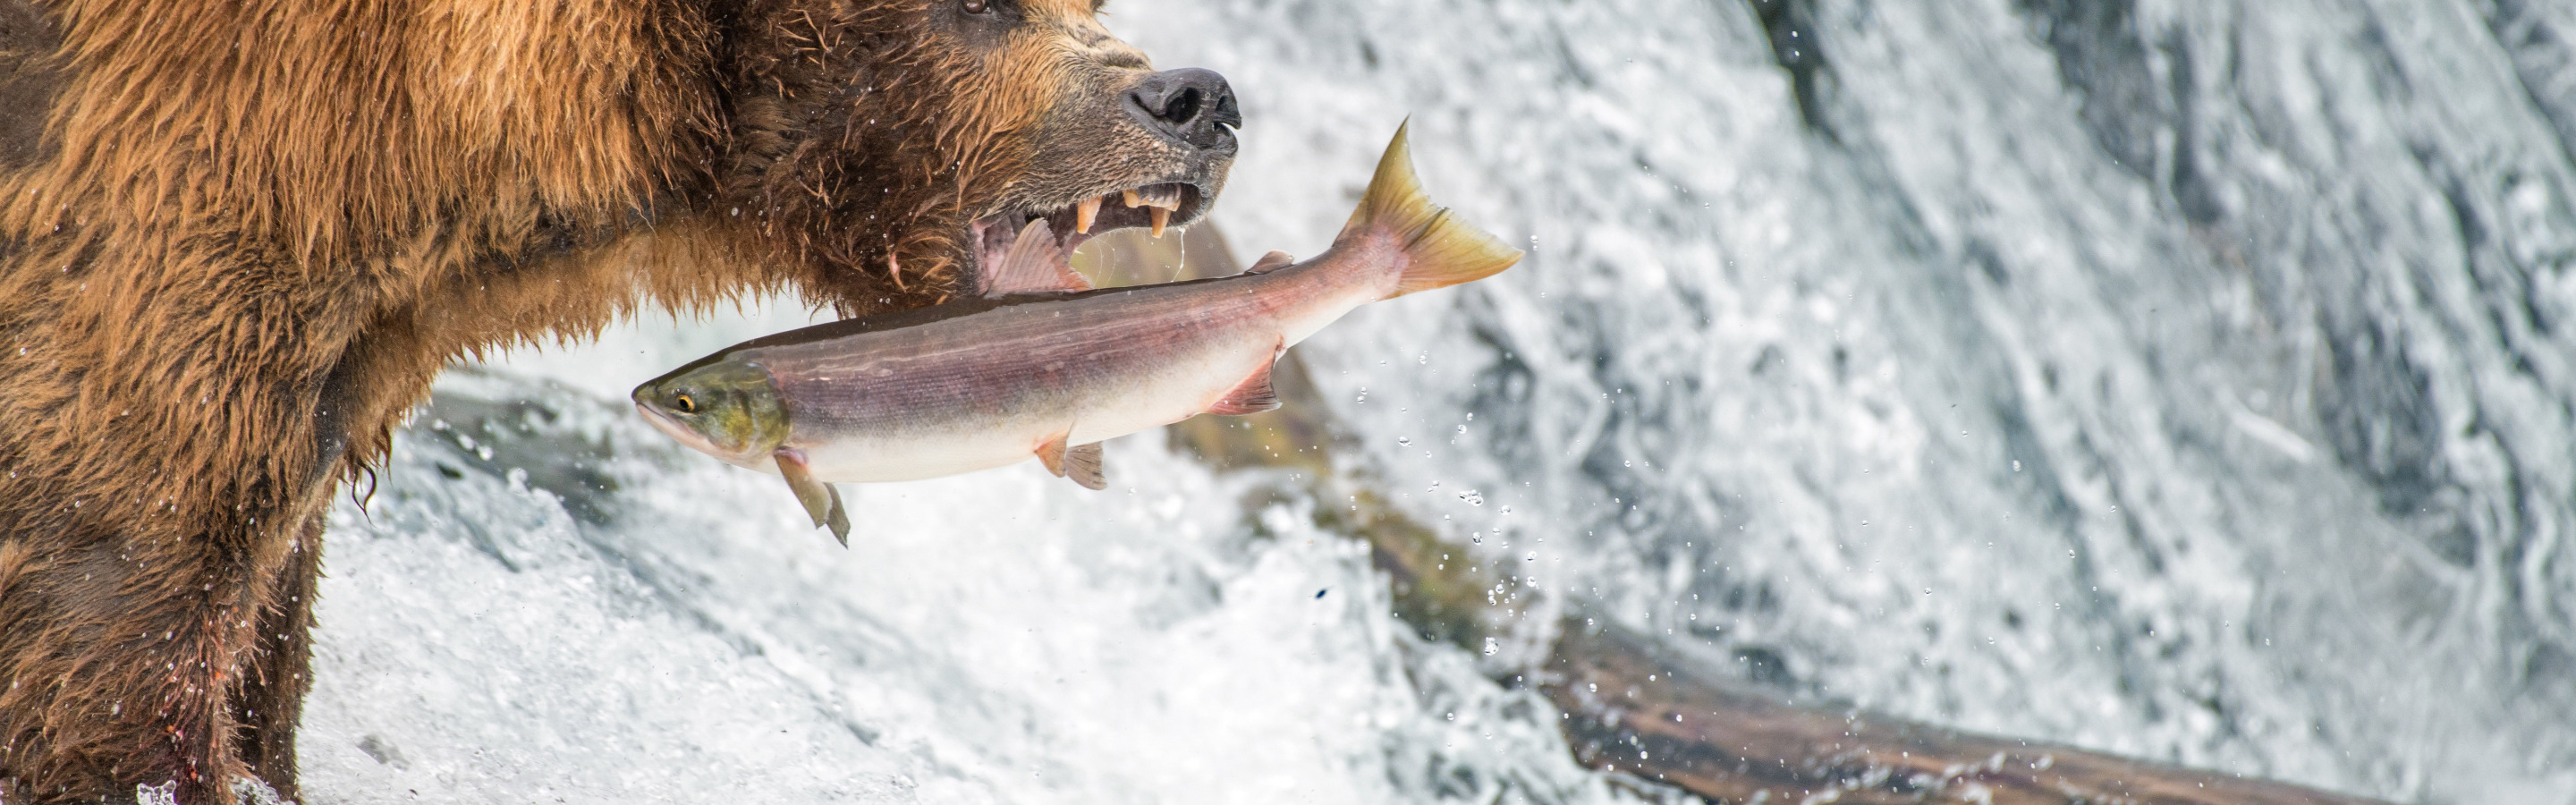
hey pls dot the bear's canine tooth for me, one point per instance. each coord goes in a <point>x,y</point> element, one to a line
<point>1086,213</point>
<point>1162,218</point>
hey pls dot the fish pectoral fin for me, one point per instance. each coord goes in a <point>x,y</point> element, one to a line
<point>1033,264</point>
<point>1082,464</point>
<point>1253,396</point>
<point>1271,262</point>
<point>840,517</point>
<point>822,502</point>
<point>1052,453</point>
<point>816,496</point>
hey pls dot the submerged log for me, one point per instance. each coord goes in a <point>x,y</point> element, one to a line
<point>1633,709</point>
<point>1630,704</point>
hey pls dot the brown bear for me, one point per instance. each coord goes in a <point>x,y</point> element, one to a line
<point>239,237</point>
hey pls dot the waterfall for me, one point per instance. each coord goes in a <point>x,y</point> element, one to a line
<point>2191,381</point>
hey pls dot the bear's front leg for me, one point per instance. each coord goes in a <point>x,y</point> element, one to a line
<point>270,702</point>
<point>129,653</point>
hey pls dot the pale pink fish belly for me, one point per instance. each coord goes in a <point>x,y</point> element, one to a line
<point>987,388</point>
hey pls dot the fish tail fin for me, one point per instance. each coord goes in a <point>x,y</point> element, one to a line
<point>1438,249</point>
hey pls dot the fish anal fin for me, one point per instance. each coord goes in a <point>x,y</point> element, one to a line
<point>1052,454</point>
<point>1254,395</point>
<point>1083,465</point>
<point>1271,262</point>
<point>821,501</point>
<point>1033,264</point>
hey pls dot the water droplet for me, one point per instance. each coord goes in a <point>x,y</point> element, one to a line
<point>1406,441</point>
<point>1363,395</point>
<point>2016,465</point>
<point>1472,497</point>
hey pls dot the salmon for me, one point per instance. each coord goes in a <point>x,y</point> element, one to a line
<point>1042,366</point>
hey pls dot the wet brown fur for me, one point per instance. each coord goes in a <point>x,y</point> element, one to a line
<point>247,235</point>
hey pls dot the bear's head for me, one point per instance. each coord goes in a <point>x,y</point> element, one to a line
<point>896,144</point>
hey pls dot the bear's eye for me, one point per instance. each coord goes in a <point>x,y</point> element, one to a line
<point>978,6</point>
<point>686,404</point>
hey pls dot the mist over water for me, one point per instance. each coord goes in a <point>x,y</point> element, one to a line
<point>2182,380</point>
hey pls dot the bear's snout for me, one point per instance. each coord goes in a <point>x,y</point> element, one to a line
<point>1193,107</point>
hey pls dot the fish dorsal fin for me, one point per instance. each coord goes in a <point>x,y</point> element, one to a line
<point>822,502</point>
<point>1082,464</point>
<point>1033,264</point>
<point>1254,395</point>
<point>1052,453</point>
<point>1271,262</point>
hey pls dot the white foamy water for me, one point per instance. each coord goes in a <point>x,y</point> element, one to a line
<point>2193,384</point>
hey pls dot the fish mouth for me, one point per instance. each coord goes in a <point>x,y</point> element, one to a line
<point>687,437</point>
<point>1157,207</point>
<point>672,428</point>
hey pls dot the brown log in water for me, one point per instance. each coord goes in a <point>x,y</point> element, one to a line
<point>1635,708</point>
<point>1630,703</point>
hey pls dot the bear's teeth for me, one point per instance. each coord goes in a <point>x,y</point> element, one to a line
<point>1088,212</point>
<point>1165,196</point>
<point>1162,218</point>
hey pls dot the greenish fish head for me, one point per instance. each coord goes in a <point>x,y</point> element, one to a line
<point>725,408</point>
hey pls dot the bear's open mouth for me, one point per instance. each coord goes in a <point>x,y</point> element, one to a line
<point>1158,207</point>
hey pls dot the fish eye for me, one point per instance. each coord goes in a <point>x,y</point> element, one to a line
<point>686,404</point>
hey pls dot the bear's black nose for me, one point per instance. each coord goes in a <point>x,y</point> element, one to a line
<point>1190,106</point>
